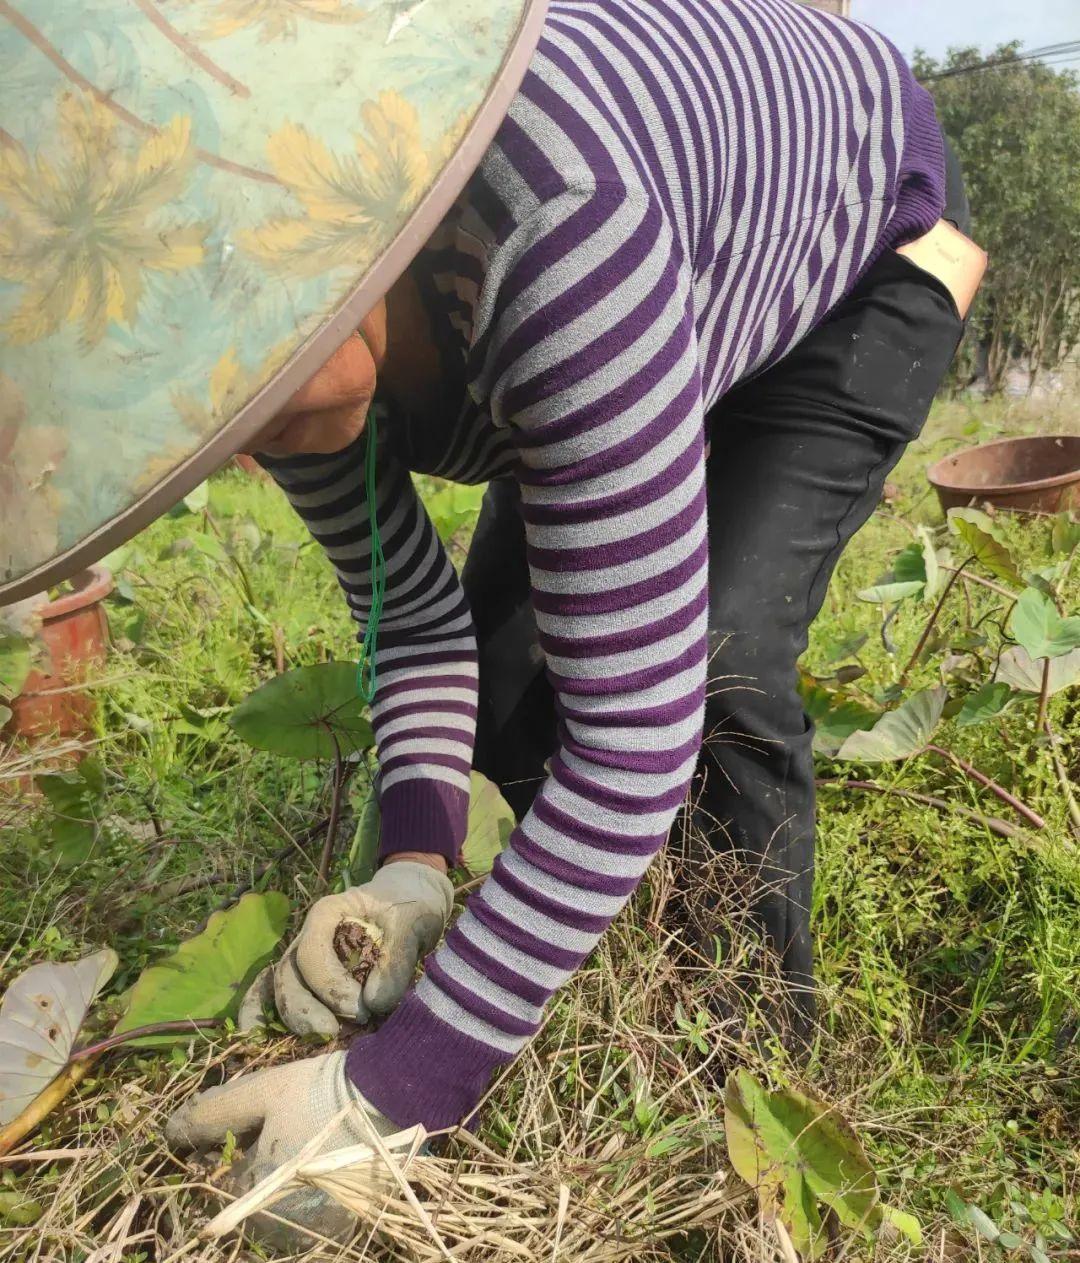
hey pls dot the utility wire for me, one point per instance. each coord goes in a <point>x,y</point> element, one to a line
<point>1065,50</point>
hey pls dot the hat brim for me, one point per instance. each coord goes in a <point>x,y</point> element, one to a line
<point>229,435</point>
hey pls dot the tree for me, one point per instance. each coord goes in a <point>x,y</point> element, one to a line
<point>1016,130</point>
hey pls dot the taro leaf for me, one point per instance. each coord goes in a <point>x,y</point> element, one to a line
<point>15,663</point>
<point>1020,671</point>
<point>834,716</point>
<point>75,798</point>
<point>900,733</point>
<point>1037,627</point>
<point>39,1020</point>
<point>490,824</point>
<point>206,977</point>
<point>985,703</point>
<point>1064,534</point>
<point>304,712</point>
<point>19,1208</point>
<point>364,852</point>
<point>846,647</point>
<point>883,593</point>
<point>798,1154</point>
<point>918,563</point>
<point>985,542</point>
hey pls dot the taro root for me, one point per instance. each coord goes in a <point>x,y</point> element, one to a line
<point>357,945</point>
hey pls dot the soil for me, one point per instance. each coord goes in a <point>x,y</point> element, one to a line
<point>357,949</point>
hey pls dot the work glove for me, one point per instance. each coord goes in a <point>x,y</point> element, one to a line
<point>404,909</point>
<point>272,1114</point>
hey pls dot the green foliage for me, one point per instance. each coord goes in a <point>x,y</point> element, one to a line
<point>985,703</point>
<point>490,824</point>
<point>19,1210</point>
<point>1017,134</point>
<point>1039,629</point>
<point>307,713</point>
<point>900,733</point>
<point>76,799</point>
<point>1019,670</point>
<point>799,1155</point>
<point>984,541</point>
<point>206,977</point>
<point>835,716</point>
<point>15,664</point>
<point>453,506</point>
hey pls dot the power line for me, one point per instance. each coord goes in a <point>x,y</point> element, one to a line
<point>1048,54</point>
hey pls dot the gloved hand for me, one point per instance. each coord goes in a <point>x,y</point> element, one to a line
<point>272,1114</point>
<point>405,907</point>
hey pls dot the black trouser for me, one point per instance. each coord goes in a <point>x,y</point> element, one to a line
<point>798,460</point>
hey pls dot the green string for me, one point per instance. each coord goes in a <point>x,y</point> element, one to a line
<point>365,669</point>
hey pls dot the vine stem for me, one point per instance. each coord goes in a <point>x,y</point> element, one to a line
<point>1001,827</point>
<point>1044,697</point>
<point>989,783</point>
<point>932,620</point>
<point>340,778</point>
<point>184,1026</point>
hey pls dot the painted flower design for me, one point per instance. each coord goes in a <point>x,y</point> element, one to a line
<point>29,503</point>
<point>231,386</point>
<point>351,202</point>
<point>276,19</point>
<point>80,227</point>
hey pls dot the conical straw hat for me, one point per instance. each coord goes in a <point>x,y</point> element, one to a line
<point>199,201</point>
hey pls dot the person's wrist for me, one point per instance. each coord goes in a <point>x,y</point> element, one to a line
<point>431,858</point>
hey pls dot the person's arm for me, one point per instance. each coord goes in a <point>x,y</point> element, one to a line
<point>424,713</point>
<point>591,357</point>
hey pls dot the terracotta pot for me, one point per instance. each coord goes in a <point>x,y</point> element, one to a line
<point>1040,473</point>
<point>75,635</point>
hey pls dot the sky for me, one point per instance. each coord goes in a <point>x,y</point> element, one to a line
<point>936,25</point>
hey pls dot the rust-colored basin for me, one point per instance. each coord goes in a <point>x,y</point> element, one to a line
<point>1040,473</point>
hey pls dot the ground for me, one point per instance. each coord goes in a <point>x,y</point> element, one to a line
<point>949,953</point>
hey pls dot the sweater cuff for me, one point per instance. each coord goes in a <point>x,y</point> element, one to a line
<point>423,815</point>
<point>418,1069</point>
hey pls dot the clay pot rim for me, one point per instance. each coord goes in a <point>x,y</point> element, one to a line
<point>935,475</point>
<point>91,585</point>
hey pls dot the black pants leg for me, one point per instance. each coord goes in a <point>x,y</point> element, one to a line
<point>798,459</point>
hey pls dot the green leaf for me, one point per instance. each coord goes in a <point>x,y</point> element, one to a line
<point>957,1208</point>
<point>1064,534</point>
<point>983,1224</point>
<point>364,852</point>
<point>797,1153</point>
<point>904,1223</point>
<point>985,542</point>
<point>197,500</point>
<point>1037,627</point>
<point>19,1209</point>
<point>491,823</point>
<point>918,563</point>
<point>985,703</point>
<point>76,799</point>
<point>900,733</point>
<point>15,663</point>
<point>1009,1241</point>
<point>307,713</point>
<point>40,1017</point>
<point>206,977</point>
<point>884,593</point>
<point>835,717</point>
<point>5,714</point>
<point>1020,671</point>
<point>931,567</point>
<point>452,506</point>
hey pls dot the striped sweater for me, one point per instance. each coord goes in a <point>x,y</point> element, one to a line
<point>680,191</point>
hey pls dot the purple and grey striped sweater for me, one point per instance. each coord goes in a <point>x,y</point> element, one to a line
<point>680,191</point>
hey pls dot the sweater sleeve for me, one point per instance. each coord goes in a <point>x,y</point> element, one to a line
<point>590,357</point>
<point>424,712</point>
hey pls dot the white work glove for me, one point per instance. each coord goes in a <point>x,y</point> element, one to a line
<point>407,904</point>
<point>272,1115</point>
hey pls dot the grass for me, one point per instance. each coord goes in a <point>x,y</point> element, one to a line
<point>949,955</point>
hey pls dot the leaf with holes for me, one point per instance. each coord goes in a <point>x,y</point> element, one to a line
<point>39,1020</point>
<point>307,713</point>
<point>206,977</point>
<point>985,543</point>
<point>1036,626</point>
<point>799,1155</point>
<point>900,733</point>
